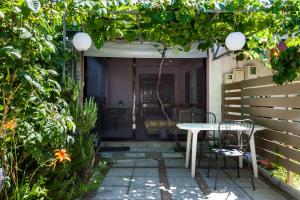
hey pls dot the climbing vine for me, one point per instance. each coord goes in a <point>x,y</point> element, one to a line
<point>179,23</point>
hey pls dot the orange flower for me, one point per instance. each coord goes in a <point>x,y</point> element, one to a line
<point>60,156</point>
<point>10,124</point>
<point>276,52</point>
<point>265,163</point>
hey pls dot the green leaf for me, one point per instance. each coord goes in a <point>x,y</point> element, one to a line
<point>11,51</point>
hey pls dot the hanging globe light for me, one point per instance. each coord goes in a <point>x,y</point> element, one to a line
<point>82,41</point>
<point>235,41</point>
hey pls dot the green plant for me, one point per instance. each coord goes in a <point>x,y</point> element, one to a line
<point>86,115</point>
<point>286,65</point>
<point>29,191</point>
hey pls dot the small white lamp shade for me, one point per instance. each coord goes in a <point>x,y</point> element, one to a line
<point>235,41</point>
<point>82,41</point>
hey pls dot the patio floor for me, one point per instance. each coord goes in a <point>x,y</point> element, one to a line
<point>161,175</point>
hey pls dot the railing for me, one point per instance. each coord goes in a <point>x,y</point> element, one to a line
<point>274,107</point>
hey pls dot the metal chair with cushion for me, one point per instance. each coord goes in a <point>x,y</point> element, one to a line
<point>234,140</point>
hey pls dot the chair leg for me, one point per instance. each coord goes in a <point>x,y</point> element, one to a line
<point>250,173</point>
<point>224,160</point>
<point>238,167</point>
<point>209,163</point>
<point>217,173</point>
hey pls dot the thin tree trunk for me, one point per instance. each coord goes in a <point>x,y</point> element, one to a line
<point>133,98</point>
<point>158,94</point>
<point>158,84</point>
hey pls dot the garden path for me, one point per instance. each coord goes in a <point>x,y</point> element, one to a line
<point>161,175</point>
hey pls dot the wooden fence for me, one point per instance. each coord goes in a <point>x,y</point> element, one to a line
<point>274,107</point>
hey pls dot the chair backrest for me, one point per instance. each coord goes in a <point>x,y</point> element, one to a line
<point>228,133</point>
<point>185,116</point>
<point>203,117</point>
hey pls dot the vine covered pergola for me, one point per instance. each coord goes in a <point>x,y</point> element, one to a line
<point>180,23</point>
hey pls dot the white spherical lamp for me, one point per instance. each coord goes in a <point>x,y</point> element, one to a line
<point>235,41</point>
<point>82,41</point>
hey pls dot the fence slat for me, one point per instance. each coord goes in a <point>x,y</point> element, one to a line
<point>277,124</point>
<point>292,102</point>
<point>273,113</point>
<point>277,148</point>
<point>285,138</point>
<point>231,117</point>
<point>272,90</point>
<point>232,86</point>
<point>232,94</point>
<point>233,109</point>
<point>266,80</point>
<point>232,101</point>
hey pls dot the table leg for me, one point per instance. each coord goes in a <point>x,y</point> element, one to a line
<point>188,149</point>
<point>253,157</point>
<point>194,152</point>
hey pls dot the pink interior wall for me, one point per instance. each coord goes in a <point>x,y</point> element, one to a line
<point>120,77</point>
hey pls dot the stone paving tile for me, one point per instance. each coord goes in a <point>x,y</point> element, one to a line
<point>116,181</point>
<point>228,194</point>
<point>106,154</point>
<point>182,182</point>
<point>141,193</point>
<point>212,173</point>
<point>182,193</point>
<point>150,172</point>
<point>246,183</point>
<point>172,155</point>
<point>263,194</point>
<point>233,173</point>
<point>145,181</point>
<point>120,172</point>
<point>135,155</point>
<point>123,163</point>
<point>175,162</point>
<point>178,172</point>
<point>221,182</point>
<point>111,193</point>
<point>146,163</point>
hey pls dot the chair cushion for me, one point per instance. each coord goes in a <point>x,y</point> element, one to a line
<point>229,152</point>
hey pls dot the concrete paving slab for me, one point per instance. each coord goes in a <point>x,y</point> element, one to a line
<point>111,193</point>
<point>228,194</point>
<point>263,194</point>
<point>135,155</point>
<point>175,162</point>
<point>182,182</point>
<point>173,155</point>
<point>120,172</point>
<point>116,181</point>
<point>149,172</point>
<point>145,181</point>
<point>141,193</point>
<point>181,193</point>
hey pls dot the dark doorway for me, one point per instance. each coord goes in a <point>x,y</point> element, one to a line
<point>110,82</point>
